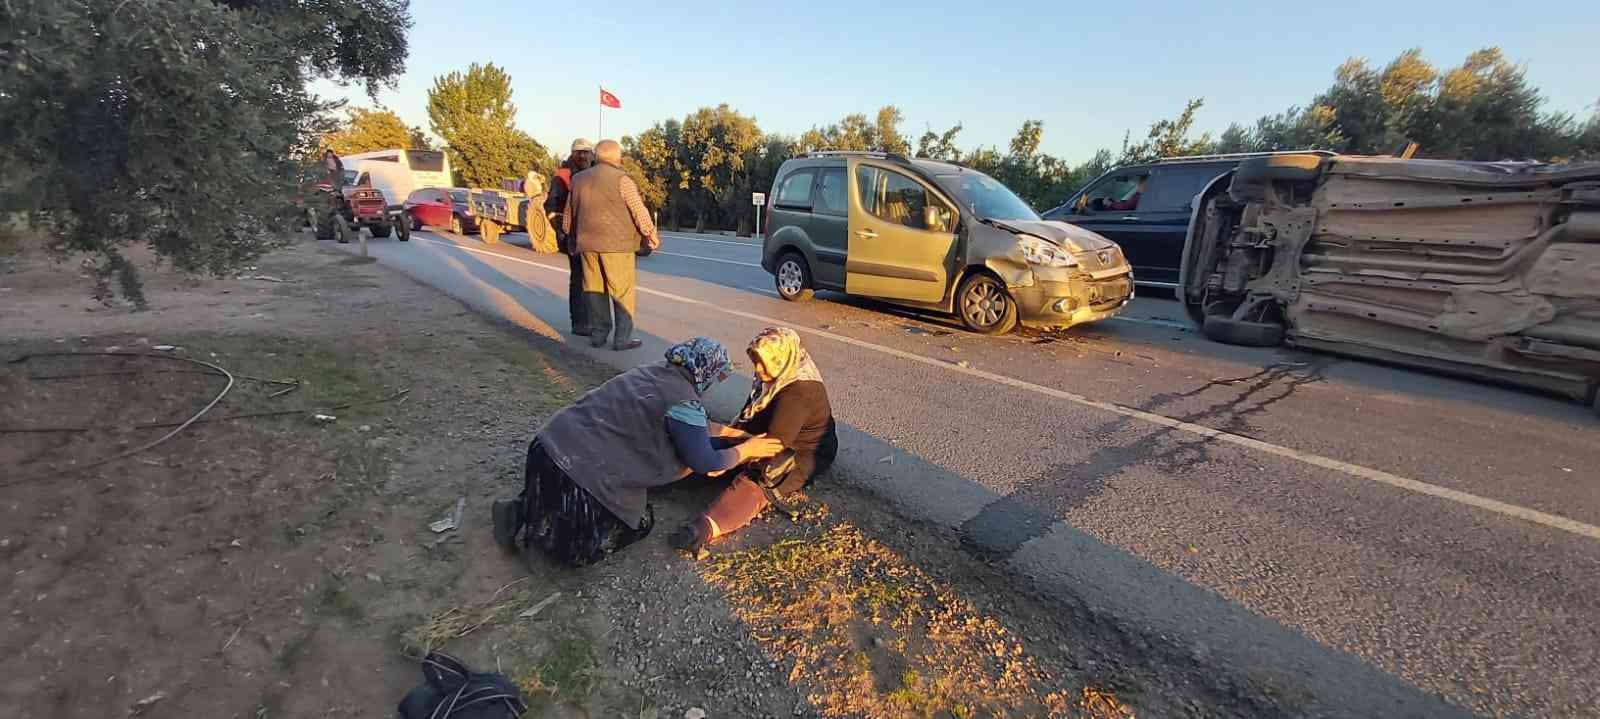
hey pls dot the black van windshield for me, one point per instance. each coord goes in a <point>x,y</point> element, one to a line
<point>986,196</point>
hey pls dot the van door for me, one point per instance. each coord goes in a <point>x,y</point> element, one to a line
<point>901,237</point>
<point>830,226</point>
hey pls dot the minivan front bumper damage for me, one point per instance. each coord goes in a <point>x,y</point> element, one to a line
<point>1058,298</point>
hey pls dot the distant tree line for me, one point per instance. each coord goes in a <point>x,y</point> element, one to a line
<point>700,170</point>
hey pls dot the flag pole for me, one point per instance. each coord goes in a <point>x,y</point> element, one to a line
<point>600,123</point>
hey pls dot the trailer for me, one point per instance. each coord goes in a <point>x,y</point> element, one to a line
<point>517,206</point>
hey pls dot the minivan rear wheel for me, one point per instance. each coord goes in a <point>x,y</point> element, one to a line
<point>793,278</point>
<point>985,306</point>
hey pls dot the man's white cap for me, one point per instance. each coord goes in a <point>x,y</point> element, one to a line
<point>581,144</point>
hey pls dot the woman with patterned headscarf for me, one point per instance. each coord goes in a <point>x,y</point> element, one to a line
<point>789,403</point>
<point>591,466</point>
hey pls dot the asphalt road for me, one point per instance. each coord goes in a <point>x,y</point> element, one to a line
<point>1386,532</point>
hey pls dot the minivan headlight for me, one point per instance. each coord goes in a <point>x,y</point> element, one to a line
<point>1038,251</point>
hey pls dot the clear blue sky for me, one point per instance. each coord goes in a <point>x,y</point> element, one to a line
<point>1088,74</point>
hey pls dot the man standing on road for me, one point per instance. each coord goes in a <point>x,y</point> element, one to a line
<point>611,222</point>
<point>556,203</point>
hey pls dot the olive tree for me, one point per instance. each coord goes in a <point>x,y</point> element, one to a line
<point>174,123</point>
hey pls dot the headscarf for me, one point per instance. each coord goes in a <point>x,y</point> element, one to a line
<point>780,351</point>
<point>705,358</point>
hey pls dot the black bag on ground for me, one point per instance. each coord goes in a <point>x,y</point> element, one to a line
<point>453,691</point>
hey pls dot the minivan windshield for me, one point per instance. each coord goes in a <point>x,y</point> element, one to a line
<point>986,196</point>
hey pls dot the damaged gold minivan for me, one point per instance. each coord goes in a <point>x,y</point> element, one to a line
<point>938,236</point>
<point>1489,270</point>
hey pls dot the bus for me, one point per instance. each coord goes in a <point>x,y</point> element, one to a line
<point>398,173</point>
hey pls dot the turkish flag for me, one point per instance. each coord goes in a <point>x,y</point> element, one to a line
<point>609,100</point>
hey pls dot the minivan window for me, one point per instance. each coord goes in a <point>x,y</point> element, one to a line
<point>893,197</point>
<point>833,198</point>
<point>795,190</point>
<point>986,196</point>
<point>458,195</point>
<point>425,160</point>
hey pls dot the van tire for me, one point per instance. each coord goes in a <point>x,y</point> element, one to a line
<point>415,223</point>
<point>489,230</point>
<point>792,277</point>
<point>975,305</point>
<point>1244,333</point>
<point>402,229</point>
<point>380,231</point>
<point>455,225</point>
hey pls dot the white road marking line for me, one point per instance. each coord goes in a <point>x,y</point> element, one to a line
<point>1353,470</point>
<point>709,259</point>
<point>751,245</point>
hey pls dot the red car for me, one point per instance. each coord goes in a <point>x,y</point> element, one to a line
<point>443,208</point>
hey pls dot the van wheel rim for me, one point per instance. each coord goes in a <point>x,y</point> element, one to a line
<point>983,305</point>
<point>789,278</point>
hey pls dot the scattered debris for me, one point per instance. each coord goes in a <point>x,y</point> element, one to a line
<point>235,635</point>
<point>374,578</point>
<point>165,348</point>
<point>324,417</point>
<point>264,278</point>
<point>535,609</point>
<point>921,331</point>
<point>366,428</point>
<point>695,713</point>
<point>886,459</point>
<point>146,703</point>
<point>451,522</point>
<point>236,543</point>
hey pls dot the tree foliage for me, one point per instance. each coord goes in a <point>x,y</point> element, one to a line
<point>176,123</point>
<point>717,142</point>
<point>473,113</point>
<point>365,130</point>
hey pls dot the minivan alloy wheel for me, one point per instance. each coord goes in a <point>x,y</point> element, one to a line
<point>791,279</point>
<point>983,303</point>
<point>985,306</point>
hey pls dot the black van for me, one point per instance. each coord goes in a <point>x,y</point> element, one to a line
<point>1147,208</point>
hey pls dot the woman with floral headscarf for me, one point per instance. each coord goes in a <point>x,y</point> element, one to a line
<point>788,402</point>
<point>592,464</point>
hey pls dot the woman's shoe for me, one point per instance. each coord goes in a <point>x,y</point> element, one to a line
<point>692,538</point>
<point>507,521</point>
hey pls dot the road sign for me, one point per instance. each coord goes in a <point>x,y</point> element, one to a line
<point>758,199</point>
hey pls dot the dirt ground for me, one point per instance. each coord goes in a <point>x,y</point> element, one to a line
<point>282,565</point>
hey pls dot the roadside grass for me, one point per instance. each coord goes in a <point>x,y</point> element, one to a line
<point>455,622</point>
<point>875,635</point>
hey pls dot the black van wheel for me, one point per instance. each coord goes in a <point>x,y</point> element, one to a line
<point>793,278</point>
<point>1244,333</point>
<point>985,306</point>
<point>380,230</point>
